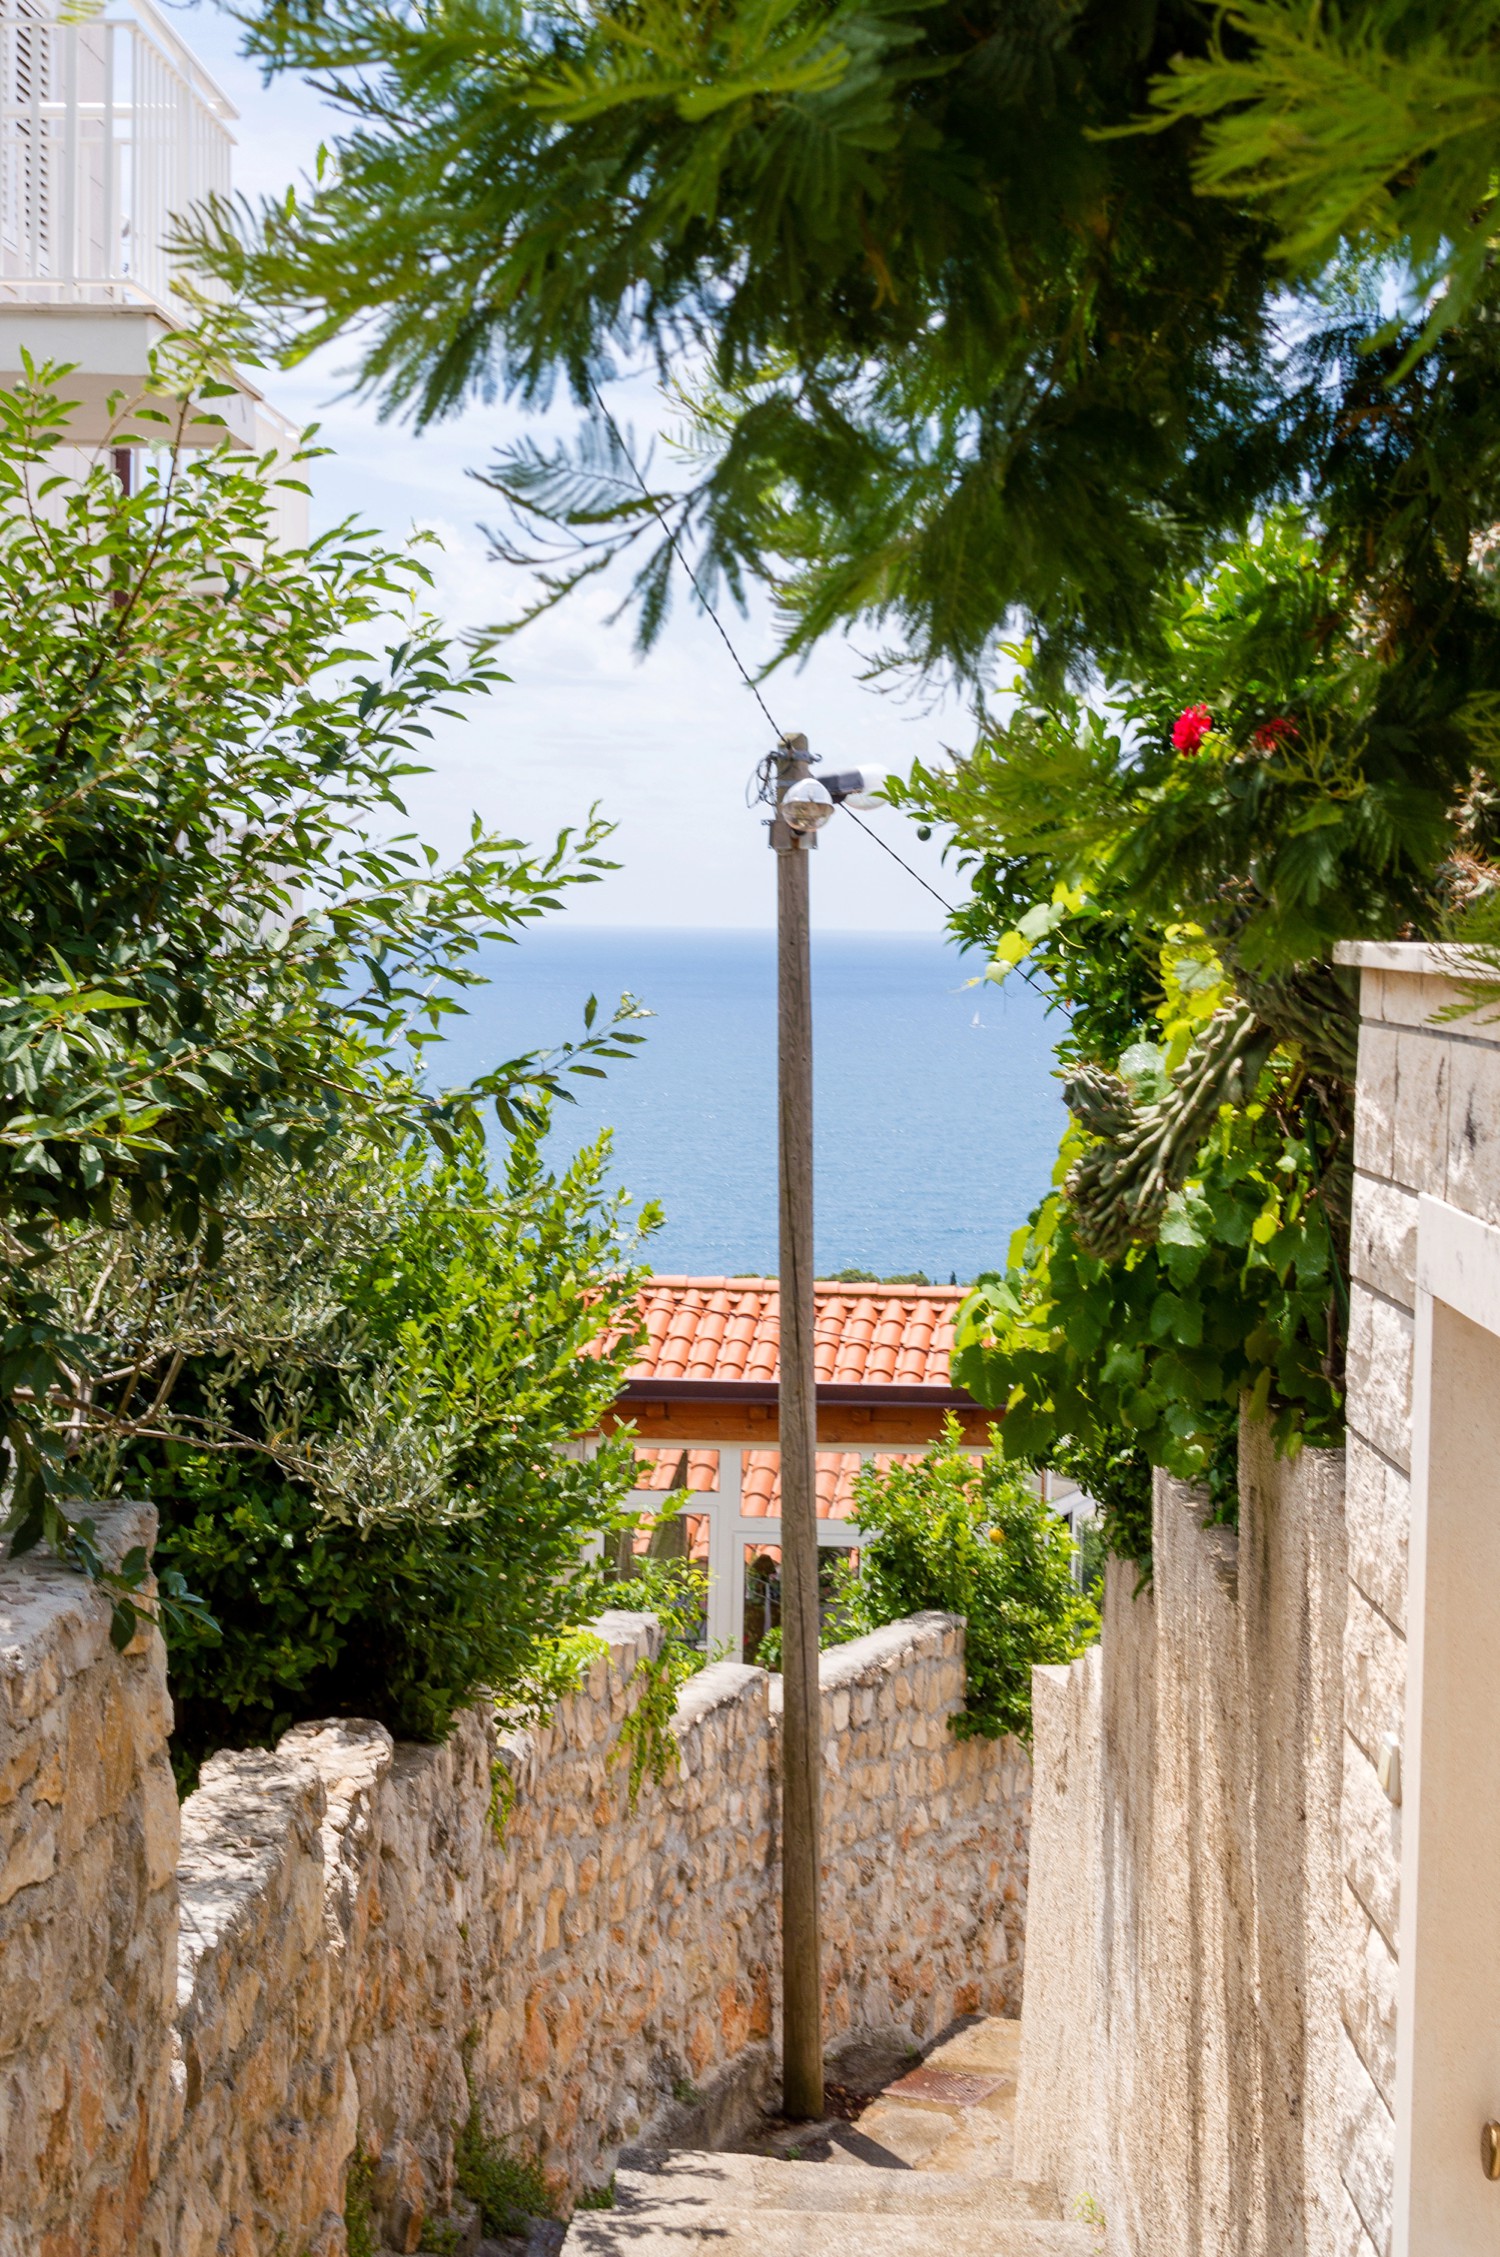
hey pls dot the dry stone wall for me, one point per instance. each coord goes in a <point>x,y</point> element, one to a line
<point>366,1936</point>
<point>88,1912</point>
<point>924,1840</point>
<point>627,1955</point>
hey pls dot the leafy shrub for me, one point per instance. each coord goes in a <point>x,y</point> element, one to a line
<point>400,1527</point>
<point>768,1652</point>
<point>1232,1298</point>
<point>212,946</point>
<point>1117,1476</point>
<point>970,1537</point>
<point>1178,859</point>
<point>359,2216</point>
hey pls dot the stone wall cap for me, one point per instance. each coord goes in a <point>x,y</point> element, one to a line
<point>343,1748</point>
<point>43,1602</point>
<point>866,1660</point>
<point>873,1654</point>
<point>1052,1672</point>
<point>1421,958</point>
<point>623,1627</point>
<point>238,1828</point>
<point>721,1685</point>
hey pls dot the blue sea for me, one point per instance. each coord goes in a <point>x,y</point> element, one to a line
<point>937,1116</point>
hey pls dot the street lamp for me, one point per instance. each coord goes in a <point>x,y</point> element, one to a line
<point>803,803</point>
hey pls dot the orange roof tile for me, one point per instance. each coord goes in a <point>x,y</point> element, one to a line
<point>727,1329</point>
<point>760,1488</point>
<point>663,1468</point>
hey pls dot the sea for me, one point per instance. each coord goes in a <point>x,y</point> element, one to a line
<point>937,1113</point>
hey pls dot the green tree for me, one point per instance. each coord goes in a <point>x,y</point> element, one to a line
<point>215,940</point>
<point>1179,857</point>
<point>1372,126</point>
<point>970,356</point>
<point>992,362</point>
<point>978,357</point>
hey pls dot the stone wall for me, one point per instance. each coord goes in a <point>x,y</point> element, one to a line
<point>627,1956</point>
<point>88,1912</point>
<point>1180,2055</point>
<point>367,1934</point>
<point>924,1840</point>
<point>1212,2020</point>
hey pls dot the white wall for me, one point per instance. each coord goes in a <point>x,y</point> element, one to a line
<point>1179,2053</point>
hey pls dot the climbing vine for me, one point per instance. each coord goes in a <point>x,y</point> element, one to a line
<point>1175,860</point>
<point>674,1591</point>
<point>1239,1291</point>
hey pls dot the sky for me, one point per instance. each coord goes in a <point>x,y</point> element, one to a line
<point>664,745</point>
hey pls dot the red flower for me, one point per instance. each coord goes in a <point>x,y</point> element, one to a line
<point>1190,728</point>
<point>1273,733</point>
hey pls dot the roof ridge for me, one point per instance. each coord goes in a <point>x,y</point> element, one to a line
<point>867,1288</point>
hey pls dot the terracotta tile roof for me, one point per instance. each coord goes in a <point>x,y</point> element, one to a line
<point>727,1329</point>
<point>760,1488</point>
<point>662,1470</point>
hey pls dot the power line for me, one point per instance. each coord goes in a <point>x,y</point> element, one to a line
<point>895,857</point>
<point>744,673</point>
<point>1024,969</point>
<point>681,555</point>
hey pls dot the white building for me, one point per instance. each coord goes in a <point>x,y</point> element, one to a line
<point>111,131</point>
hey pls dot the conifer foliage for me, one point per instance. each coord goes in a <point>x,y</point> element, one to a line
<point>978,359</point>
<point>990,312</point>
<point>1374,125</point>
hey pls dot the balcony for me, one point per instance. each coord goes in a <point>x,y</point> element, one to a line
<point>110,132</point>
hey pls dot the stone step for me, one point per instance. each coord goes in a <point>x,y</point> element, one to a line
<point>684,2182</point>
<point>782,2233</point>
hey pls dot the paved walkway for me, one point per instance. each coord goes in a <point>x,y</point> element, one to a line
<point>923,2171</point>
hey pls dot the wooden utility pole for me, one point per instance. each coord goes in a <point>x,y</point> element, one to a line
<point>801,1727</point>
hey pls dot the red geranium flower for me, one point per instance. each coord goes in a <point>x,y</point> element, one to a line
<point>1190,728</point>
<point>1272,733</point>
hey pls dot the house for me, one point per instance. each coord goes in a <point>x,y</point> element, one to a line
<point>111,132</point>
<point>702,1399</point>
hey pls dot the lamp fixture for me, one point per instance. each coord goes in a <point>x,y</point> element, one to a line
<point>806,806</point>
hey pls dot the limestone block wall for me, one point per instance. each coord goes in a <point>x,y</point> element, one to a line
<point>1427,1120</point>
<point>924,1840</point>
<point>88,1911</point>
<point>1062,2098</point>
<point>371,1934</point>
<point>1180,2061</point>
<point>624,1955</point>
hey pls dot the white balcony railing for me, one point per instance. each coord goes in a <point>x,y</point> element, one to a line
<point>110,131</point>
